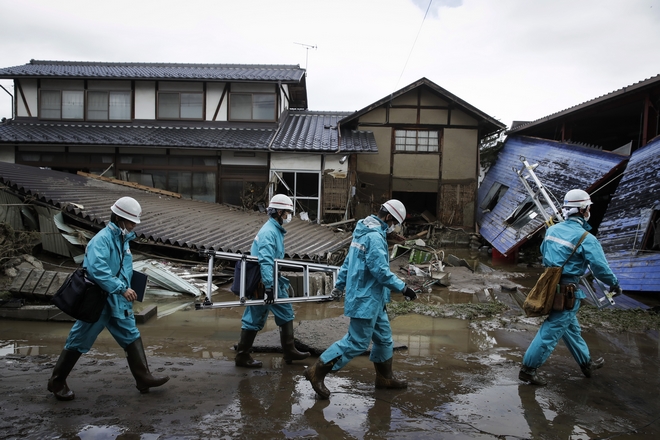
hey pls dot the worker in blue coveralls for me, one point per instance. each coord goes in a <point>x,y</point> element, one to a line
<point>268,246</point>
<point>109,263</point>
<point>559,242</point>
<point>366,277</point>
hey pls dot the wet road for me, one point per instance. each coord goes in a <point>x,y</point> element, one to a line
<point>462,384</point>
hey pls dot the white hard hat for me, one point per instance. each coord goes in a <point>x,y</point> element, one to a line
<point>396,208</point>
<point>281,201</point>
<point>576,198</point>
<point>128,208</point>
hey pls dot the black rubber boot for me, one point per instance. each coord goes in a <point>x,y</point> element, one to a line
<point>316,374</point>
<point>385,378</point>
<point>528,374</point>
<point>243,358</point>
<point>137,362</point>
<point>289,346</point>
<point>588,368</point>
<point>57,382</point>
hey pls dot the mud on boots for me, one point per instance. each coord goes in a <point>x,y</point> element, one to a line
<point>385,378</point>
<point>316,374</point>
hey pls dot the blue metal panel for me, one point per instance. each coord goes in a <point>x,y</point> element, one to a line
<point>561,167</point>
<point>622,231</point>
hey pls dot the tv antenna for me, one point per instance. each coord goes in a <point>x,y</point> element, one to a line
<point>307,48</point>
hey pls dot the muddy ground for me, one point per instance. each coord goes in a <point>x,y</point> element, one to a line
<point>461,362</point>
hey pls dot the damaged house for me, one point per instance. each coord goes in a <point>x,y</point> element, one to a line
<point>218,133</point>
<point>428,153</point>
<point>607,146</point>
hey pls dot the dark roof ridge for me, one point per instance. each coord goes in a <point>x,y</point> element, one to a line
<point>197,65</point>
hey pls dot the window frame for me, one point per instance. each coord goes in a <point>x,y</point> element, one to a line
<point>417,131</point>
<point>179,93</point>
<point>108,94</point>
<point>252,105</point>
<point>61,104</point>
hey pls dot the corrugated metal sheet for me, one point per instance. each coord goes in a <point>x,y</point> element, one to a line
<point>561,167</point>
<point>178,222</point>
<point>10,210</point>
<point>626,220</point>
<point>155,71</point>
<point>51,238</point>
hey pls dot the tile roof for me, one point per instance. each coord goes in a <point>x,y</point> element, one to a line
<point>308,132</point>
<point>561,167</point>
<point>155,71</point>
<point>134,135</point>
<point>167,221</point>
<point>315,131</point>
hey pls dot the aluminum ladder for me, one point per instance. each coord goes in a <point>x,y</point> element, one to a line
<point>242,259</point>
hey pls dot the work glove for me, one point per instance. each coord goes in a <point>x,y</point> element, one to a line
<point>269,297</point>
<point>409,294</point>
<point>337,294</point>
<point>616,290</point>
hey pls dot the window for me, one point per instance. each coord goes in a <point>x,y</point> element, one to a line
<point>252,107</point>
<point>418,141</point>
<point>524,213</point>
<point>180,105</point>
<point>61,104</point>
<point>108,106</point>
<point>651,240</point>
<point>303,188</point>
<point>495,193</point>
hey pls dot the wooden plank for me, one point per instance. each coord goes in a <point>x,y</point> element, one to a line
<point>59,279</point>
<point>44,283</point>
<point>17,284</point>
<point>131,184</point>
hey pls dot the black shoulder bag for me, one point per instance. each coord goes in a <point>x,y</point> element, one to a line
<point>80,297</point>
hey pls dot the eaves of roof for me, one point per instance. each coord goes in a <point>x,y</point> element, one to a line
<point>304,132</point>
<point>188,224</point>
<point>521,126</point>
<point>155,71</point>
<point>488,123</point>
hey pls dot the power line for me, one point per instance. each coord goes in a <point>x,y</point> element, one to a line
<point>413,45</point>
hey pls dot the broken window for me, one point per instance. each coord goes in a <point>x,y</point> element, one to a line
<point>303,188</point>
<point>651,240</point>
<point>524,213</point>
<point>417,141</point>
<point>495,193</point>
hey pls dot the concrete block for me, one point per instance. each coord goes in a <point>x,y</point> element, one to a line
<point>146,314</point>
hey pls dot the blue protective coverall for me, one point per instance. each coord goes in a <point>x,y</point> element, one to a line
<point>102,259</point>
<point>366,277</point>
<point>268,246</point>
<point>557,245</point>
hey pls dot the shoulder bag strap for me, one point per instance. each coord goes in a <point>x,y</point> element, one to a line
<point>576,246</point>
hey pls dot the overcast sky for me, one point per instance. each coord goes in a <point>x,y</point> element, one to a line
<point>512,59</point>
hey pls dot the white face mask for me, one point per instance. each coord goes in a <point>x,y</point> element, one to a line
<point>124,232</point>
<point>390,229</point>
<point>287,219</point>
